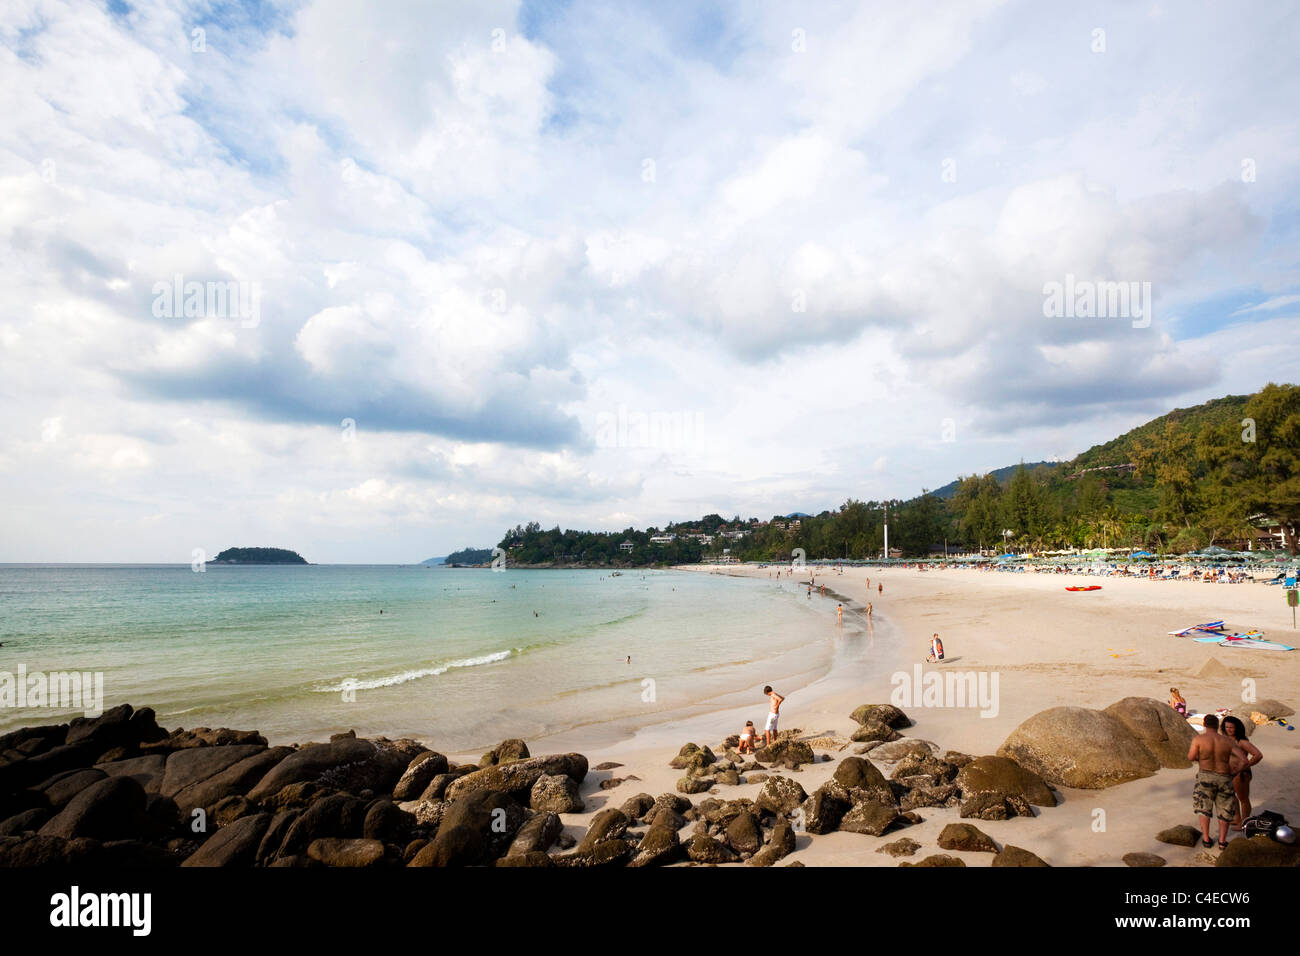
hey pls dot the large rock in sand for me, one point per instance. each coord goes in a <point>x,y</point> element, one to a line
<point>1003,776</point>
<point>1159,727</point>
<point>1078,747</point>
<point>517,778</point>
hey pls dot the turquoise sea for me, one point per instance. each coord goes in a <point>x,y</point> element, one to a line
<point>459,657</point>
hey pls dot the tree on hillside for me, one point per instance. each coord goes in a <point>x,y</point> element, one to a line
<point>1257,462</point>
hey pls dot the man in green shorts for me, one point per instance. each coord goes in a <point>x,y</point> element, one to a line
<point>1218,758</point>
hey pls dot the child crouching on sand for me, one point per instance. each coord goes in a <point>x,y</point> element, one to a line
<point>747,738</point>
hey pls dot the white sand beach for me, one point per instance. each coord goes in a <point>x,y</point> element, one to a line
<point>1048,647</point>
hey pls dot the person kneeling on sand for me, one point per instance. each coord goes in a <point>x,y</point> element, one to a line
<point>747,735</point>
<point>769,731</point>
<point>1218,760</point>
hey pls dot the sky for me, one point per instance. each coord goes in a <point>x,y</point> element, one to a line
<point>376,281</point>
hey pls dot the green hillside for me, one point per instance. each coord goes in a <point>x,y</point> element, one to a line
<point>1226,473</point>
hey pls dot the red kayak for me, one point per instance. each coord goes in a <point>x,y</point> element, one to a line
<point>1090,587</point>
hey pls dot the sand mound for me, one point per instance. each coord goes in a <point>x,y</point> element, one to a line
<point>1211,669</point>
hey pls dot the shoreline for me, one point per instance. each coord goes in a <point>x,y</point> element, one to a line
<point>1049,648</point>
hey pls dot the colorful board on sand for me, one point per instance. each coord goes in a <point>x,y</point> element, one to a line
<point>1228,638</point>
<point>1257,644</point>
<point>1090,587</point>
<point>1211,626</point>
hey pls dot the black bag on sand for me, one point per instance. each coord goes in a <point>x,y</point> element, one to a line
<point>1263,823</point>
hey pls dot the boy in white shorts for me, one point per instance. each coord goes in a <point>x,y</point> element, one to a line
<point>769,731</point>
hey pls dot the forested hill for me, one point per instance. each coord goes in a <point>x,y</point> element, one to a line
<point>1001,474</point>
<point>258,556</point>
<point>1225,473</point>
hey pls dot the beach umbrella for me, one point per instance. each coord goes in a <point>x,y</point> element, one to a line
<point>1142,554</point>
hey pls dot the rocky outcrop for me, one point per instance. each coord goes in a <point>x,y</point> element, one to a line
<point>557,793</point>
<point>1077,747</point>
<point>1159,728</point>
<point>1016,856</point>
<point>886,714</point>
<point>780,795</point>
<point>1005,777</point>
<point>1259,851</point>
<point>518,778</point>
<point>963,836</point>
<point>1181,835</point>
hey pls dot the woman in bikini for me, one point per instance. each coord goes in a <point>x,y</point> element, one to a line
<point>1177,702</point>
<point>1235,729</point>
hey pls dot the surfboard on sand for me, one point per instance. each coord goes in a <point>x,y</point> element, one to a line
<point>1227,638</point>
<point>1211,626</point>
<point>1091,587</point>
<point>1256,643</point>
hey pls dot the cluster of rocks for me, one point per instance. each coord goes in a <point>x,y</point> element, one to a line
<point>120,791</point>
<point>1092,749</point>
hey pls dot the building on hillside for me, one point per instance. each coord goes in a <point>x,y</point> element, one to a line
<point>626,546</point>
<point>663,539</point>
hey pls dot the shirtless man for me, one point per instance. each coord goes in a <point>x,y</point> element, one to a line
<point>1218,759</point>
<point>769,732</point>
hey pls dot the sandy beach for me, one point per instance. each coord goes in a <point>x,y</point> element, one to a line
<point>1048,647</point>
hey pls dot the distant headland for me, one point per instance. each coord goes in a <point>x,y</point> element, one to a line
<point>258,556</point>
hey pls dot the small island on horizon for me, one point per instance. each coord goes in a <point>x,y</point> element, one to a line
<point>258,556</point>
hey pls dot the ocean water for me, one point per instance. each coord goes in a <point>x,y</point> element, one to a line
<point>459,657</point>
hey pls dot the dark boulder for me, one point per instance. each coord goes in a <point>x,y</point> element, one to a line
<point>963,836</point>
<point>354,853</point>
<point>235,845</point>
<point>635,808</point>
<point>60,789</point>
<point>1001,775</point>
<point>823,811</point>
<point>870,817</point>
<point>29,821</point>
<point>235,780</point>
<point>418,775</point>
<point>1182,835</point>
<point>338,815</point>
<point>112,808</point>
<point>184,768</point>
<point>313,761</point>
<point>886,714</point>
<point>705,849</point>
<point>744,834</point>
<point>608,824</point>
<point>517,778</point>
<point>386,822</point>
<point>780,795</point>
<point>437,787</point>
<point>857,773</point>
<point>557,793</point>
<point>659,847</point>
<point>1259,851</point>
<point>1016,856</point>
<point>508,751</point>
<point>538,834</point>
<point>780,845</point>
<point>147,771</point>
